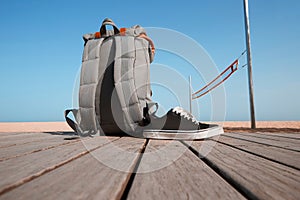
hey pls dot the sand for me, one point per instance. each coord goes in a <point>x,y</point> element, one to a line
<point>229,126</point>
<point>262,126</point>
<point>34,127</point>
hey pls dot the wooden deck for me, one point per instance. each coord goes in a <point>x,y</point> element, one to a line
<point>58,165</point>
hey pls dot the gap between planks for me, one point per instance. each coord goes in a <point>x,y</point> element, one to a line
<point>254,177</point>
<point>92,178</point>
<point>19,139</point>
<point>271,153</point>
<point>276,137</point>
<point>46,170</point>
<point>37,150</point>
<point>168,170</point>
<point>264,141</point>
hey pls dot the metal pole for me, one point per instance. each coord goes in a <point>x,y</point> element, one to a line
<point>249,61</point>
<point>190,93</point>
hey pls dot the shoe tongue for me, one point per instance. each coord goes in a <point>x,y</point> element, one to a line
<point>171,110</point>
<point>182,111</point>
<point>179,110</point>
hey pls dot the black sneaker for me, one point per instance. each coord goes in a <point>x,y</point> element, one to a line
<point>179,124</point>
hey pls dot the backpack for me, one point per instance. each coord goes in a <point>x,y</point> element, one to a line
<point>114,92</point>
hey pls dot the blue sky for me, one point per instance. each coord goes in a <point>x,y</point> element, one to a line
<point>41,47</point>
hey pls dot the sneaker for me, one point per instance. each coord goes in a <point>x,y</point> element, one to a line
<point>179,124</point>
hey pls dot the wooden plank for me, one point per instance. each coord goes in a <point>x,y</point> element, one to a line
<point>86,177</point>
<point>33,147</point>
<point>287,135</point>
<point>277,137</point>
<point>13,140</point>
<point>283,156</point>
<point>18,170</point>
<point>255,176</point>
<point>168,170</point>
<point>266,141</point>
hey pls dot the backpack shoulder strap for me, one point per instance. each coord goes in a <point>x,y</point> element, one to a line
<point>125,83</point>
<point>89,78</point>
<point>69,121</point>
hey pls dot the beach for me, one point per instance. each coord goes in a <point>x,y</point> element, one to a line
<point>229,126</point>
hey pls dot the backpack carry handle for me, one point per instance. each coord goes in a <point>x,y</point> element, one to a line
<point>152,50</point>
<point>105,22</point>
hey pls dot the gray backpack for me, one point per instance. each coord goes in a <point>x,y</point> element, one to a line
<point>114,93</point>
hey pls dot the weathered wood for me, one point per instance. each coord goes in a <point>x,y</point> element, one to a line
<point>33,147</point>
<point>48,167</point>
<point>169,170</point>
<point>291,136</point>
<point>257,177</point>
<point>18,170</point>
<point>86,177</point>
<point>281,138</point>
<point>266,141</point>
<point>13,140</point>
<point>283,156</point>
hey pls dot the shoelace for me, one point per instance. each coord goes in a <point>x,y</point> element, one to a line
<point>180,111</point>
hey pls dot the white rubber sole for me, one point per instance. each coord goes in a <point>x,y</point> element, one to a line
<point>183,135</point>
